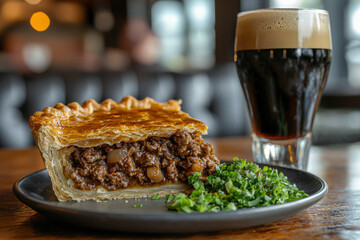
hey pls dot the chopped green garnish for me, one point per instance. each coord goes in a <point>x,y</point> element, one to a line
<point>237,185</point>
<point>138,206</point>
<point>156,197</point>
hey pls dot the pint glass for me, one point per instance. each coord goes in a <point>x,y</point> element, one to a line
<point>283,58</point>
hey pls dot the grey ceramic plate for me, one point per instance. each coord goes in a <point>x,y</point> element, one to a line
<point>35,191</point>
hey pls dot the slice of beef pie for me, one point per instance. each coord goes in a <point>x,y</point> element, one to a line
<point>131,148</point>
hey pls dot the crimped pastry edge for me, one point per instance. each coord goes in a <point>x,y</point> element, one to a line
<point>46,124</point>
<point>50,115</point>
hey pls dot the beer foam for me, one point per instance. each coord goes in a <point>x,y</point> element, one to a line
<point>283,28</point>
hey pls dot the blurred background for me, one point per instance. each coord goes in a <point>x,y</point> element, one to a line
<point>63,51</point>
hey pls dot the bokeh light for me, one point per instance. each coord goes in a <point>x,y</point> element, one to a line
<point>33,2</point>
<point>356,21</point>
<point>70,12</point>
<point>37,57</point>
<point>104,20</point>
<point>40,21</point>
<point>12,11</point>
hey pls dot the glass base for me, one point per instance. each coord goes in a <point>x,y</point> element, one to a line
<point>292,153</point>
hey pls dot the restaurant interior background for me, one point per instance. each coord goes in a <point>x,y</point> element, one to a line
<point>63,51</point>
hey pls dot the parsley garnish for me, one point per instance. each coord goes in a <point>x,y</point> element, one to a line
<point>156,197</point>
<point>236,185</point>
<point>138,206</point>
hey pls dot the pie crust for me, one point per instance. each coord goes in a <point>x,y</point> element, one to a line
<point>60,129</point>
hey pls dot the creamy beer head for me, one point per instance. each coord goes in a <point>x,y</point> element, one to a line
<point>282,28</point>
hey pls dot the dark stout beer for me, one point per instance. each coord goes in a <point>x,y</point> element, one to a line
<point>283,88</point>
<point>283,59</point>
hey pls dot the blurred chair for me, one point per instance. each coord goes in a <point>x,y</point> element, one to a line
<point>83,86</point>
<point>118,85</point>
<point>197,92</point>
<point>43,91</point>
<point>160,87</point>
<point>14,130</point>
<point>229,102</point>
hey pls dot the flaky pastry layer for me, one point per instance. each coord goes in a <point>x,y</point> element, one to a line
<point>111,122</point>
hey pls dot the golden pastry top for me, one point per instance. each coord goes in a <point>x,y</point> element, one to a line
<point>111,122</point>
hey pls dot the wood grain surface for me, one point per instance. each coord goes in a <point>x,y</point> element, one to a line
<point>337,216</point>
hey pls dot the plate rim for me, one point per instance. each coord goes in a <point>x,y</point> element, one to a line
<point>44,206</point>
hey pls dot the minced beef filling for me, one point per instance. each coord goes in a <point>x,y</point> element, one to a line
<point>153,161</point>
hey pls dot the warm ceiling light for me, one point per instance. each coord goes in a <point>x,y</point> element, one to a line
<point>33,2</point>
<point>40,21</point>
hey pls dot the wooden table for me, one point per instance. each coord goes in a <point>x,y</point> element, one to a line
<point>337,216</point>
